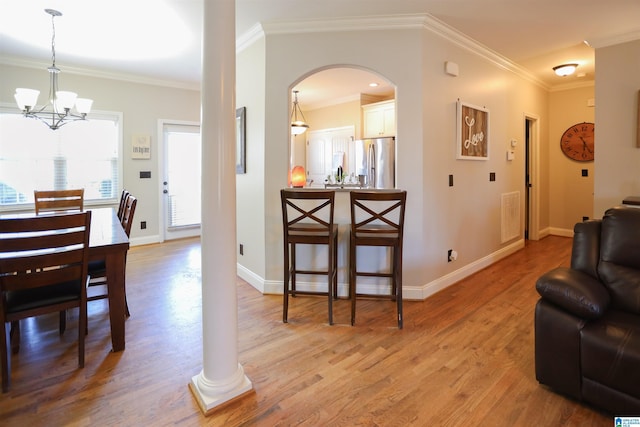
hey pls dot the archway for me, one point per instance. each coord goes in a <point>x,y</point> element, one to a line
<point>331,100</point>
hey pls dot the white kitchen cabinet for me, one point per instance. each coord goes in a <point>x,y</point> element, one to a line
<point>379,119</point>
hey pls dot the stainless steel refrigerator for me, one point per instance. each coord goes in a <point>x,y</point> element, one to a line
<point>376,162</point>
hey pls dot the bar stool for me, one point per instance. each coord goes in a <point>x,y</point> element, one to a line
<point>307,217</point>
<point>377,219</point>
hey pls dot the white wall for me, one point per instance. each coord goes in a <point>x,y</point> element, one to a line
<point>465,217</point>
<point>142,105</point>
<point>250,199</point>
<point>617,161</point>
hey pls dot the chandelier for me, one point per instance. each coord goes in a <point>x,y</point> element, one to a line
<point>58,111</point>
<point>297,126</point>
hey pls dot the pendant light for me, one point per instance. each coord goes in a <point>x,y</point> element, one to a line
<point>297,126</point>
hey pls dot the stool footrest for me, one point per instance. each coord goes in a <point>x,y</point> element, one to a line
<point>368,274</point>
<point>323,273</point>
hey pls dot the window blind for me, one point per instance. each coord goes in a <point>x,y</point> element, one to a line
<point>84,154</point>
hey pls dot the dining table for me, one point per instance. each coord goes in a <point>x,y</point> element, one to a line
<point>109,242</point>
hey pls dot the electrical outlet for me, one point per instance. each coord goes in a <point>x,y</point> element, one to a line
<point>241,249</point>
<point>449,255</point>
<point>450,180</point>
<point>143,225</point>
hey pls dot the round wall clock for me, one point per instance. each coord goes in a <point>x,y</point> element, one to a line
<point>577,142</point>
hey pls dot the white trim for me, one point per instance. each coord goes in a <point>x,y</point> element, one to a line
<point>564,232</point>
<point>251,278</point>
<point>396,22</point>
<point>614,40</point>
<point>409,292</point>
<point>95,72</point>
<point>455,276</point>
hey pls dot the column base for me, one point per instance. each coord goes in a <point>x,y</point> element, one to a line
<point>209,399</point>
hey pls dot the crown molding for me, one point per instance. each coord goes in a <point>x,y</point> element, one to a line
<point>246,39</point>
<point>399,22</point>
<point>131,78</point>
<point>614,40</point>
<point>465,42</point>
<point>354,23</point>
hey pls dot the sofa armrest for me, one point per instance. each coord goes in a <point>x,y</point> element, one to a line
<point>579,293</point>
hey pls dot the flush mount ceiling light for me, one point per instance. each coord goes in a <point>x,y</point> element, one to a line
<point>565,69</point>
<point>58,111</point>
<point>297,126</point>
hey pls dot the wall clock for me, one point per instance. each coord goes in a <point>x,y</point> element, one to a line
<point>577,142</point>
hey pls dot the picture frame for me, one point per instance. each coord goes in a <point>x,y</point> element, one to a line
<point>472,132</point>
<point>141,147</point>
<point>241,141</point>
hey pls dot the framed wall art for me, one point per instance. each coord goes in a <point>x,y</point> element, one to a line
<point>140,146</point>
<point>472,132</point>
<point>241,142</point>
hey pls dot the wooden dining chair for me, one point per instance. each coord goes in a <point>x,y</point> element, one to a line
<point>58,200</point>
<point>377,219</point>
<point>98,269</point>
<point>123,203</point>
<point>43,269</point>
<point>307,217</point>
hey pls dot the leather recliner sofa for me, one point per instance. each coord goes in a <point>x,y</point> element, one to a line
<point>587,321</point>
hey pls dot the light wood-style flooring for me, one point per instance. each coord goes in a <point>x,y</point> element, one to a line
<point>464,357</point>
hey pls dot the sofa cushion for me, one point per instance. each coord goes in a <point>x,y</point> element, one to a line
<point>575,291</point>
<point>610,352</point>
<point>619,266</point>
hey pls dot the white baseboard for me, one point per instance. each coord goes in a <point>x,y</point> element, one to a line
<point>147,240</point>
<point>409,292</point>
<point>561,232</point>
<point>424,292</point>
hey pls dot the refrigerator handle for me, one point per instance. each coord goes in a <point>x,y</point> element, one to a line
<point>371,162</point>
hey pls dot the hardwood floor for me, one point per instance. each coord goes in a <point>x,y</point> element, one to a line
<point>464,357</point>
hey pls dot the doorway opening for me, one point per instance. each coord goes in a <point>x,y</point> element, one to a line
<point>181,180</point>
<point>531,177</point>
<point>331,99</point>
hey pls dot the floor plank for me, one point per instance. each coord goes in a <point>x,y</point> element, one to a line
<point>464,357</point>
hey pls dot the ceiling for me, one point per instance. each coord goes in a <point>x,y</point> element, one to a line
<point>159,40</point>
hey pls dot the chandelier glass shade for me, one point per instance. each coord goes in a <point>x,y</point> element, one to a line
<point>298,126</point>
<point>58,111</point>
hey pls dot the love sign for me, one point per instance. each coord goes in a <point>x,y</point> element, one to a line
<point>472,132</point>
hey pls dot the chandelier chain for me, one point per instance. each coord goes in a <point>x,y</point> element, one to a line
<point>53,39</point>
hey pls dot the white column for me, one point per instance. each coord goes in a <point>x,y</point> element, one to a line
<point>222,377</point>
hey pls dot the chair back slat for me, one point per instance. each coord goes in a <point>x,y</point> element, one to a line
<point>378,213</point>
<point>307,210</point>
<point>58,200</point>
<point>40,251</point>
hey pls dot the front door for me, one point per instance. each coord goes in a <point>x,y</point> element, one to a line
<point>181,180</point>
